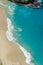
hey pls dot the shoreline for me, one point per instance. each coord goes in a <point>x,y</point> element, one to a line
<point>8,50</point>
<point>11,38</point>
<point>20,49</point>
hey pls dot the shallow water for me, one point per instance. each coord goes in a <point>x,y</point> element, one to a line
<point>28,29</point>
<point>31,22</point>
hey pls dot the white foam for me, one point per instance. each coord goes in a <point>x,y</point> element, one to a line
<point>27,55</point>
<point>2,4</point>
<point>10,8</point>
<point>9,31</point>
<point>10,26</point>
<point>11,38</point>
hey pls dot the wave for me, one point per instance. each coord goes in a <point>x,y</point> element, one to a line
<point>8,32</point>
<point>11,38</point>
<point>2,4</point>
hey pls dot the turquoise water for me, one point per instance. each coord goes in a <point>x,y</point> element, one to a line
<point>30,23</point>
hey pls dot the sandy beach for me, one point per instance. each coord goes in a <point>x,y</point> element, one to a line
<point>10,53</point>
<point>3,0</point>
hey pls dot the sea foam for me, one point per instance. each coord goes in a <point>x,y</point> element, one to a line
<point>11,38</point>
<point>2,4</point>
<point>8,32</point>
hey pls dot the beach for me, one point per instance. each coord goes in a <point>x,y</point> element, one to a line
<point>10,53</point>
<point>21,34</point>
<point>3,0</point>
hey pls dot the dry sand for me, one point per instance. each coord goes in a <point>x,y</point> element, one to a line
<point>10,53</point>
<point>3,0</point>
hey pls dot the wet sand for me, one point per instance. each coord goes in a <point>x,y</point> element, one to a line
<point>10,53</point>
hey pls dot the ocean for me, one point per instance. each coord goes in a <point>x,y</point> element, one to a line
<point>27,28</point>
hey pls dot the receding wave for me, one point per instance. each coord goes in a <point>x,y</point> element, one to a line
<point>11,38</point>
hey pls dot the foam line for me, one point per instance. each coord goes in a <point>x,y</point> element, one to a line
<point>11,38</point>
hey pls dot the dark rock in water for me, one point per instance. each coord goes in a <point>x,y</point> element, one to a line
<point>23,1</point>
<point>11,0</point>
<point>28,3</point>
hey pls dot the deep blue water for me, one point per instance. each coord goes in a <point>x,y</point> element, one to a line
<point>31,36</point>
